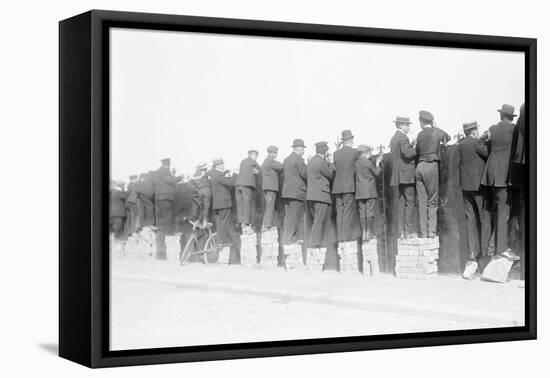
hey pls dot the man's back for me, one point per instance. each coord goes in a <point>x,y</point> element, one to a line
<point>473,153</point>
<point>271,169</point>
<point>295,176</point>
<point>319,175</point>
<point>428,143</point>
<point>344,161</point>
<point>247,172</point>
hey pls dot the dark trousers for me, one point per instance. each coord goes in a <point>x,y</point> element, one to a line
<point>226,233</point>
<point>367,208</point>
<point>116,225</point>
<point>502,214</point>
<point>244,196</point>
<point>427,189</point>
<point>294,220</point>
<point>165,226</point>
<point>478,222</point>
<point>132,218</point>
<point>347,224</point>
<point>269,212</point>
<point>406,207</point>
<point>319,211</point>
<point>146,211</point>
<point>200,208</point>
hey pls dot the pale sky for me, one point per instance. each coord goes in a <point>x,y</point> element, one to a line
<point>194,96</point>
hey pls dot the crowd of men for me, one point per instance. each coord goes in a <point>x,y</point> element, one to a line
<point>337,191</point>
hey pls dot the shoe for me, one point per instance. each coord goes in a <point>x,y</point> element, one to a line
<point>412,235</point>
<point>365,236</point>
<point>509,255</point>
<point>470,270</point>
<point>431,235</point>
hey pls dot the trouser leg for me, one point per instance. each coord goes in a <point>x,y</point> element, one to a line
<point>422,200</point>
<point>294,221</point>
<point>319,210</point>
<point>472,219</point>
<point>269,211</point>
<point>240,203</point>
<point>431,182</point>
<point>370,206</point>
<point>362,205</point>
<point>503,214</point>
<point>410,205</point>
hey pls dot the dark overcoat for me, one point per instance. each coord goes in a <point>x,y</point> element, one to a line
<point>116,203</point>
<point>366,173</point>
<point>165,184</point>
<point>319,175</point>
<point>246,176</point>
<point>403,162</point>
<point>473,153</point>
<point>498,163</point>
<point>271,169</point>
<point>295,177</point>
<point>344,161</point>
<point>222,187</point>
<point>428,143</point>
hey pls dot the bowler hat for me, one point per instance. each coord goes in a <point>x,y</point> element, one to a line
<point>508,110</point>
<point>298,143</point>
<point>400,120</point>
<point>272,149</point>
<point>470,125</point>
<point>346,134</point>
<point>426,115</point>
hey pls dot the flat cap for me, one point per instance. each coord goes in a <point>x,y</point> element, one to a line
<point>426,115</point>
<point>321,144</point>
<point>253,152</point>
<point>272,149</point>
<point>364,148</point>
<point>217,161</point>
<point>165,161</point>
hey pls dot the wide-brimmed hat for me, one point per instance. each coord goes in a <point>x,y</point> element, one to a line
<point>272,149</point>
<point>508,110</point>
<point>470,125</point>
<point>426,115</point>
<point>298,143</point>
<point>400,120</point>
<point>346,134</point>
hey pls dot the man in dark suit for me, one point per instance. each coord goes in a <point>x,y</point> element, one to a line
<point>519,179</point>
<point>320,172</point>
<point>366,173</point>
<point>496,175</point>
<point>132,217</point>
<point>245,191</point>
<point>222,186</point>
<point>347,222</point>
<point>294,193</point>
<point>473,153</point>
<point>428,144</point>
<point>271,169</point>
<point>403,165</point>
<point>145,196</point>
<point>165,191</point>
<point>117,212</point>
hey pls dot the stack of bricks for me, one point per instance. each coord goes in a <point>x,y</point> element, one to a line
<point>370,258</point>
<point>270,248</point>
<point>293,258</point>
<point>173,246</point>
<point>417,258</point>
<point>223,255</point>
<point>347,251</point>
<point>315,259</point>
<point>141,244</point>
<point>249,251</point>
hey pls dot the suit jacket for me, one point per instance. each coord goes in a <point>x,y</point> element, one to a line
<point>146,187</point>
<point>403,164</point>
<point>271,169</point>
<point>116,203</point>
<point>473,153</point>
<point>294,177</point>
<point>344,160</point>
<point>428,143</point>
<point>165,184</point>
<point>131,197</point>
<point>319,175</point>
<point>366,173</point>
<point>498,163</point>
<point>246,176</point>
<point>222,187</point>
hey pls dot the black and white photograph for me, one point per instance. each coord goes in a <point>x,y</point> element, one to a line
<point>270,188</point>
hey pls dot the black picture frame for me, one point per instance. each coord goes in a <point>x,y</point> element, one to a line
<point>84,177</point>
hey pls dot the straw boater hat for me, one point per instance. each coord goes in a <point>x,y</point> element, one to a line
<point>470,125</point>
<point>508,110</point>
<point>401,120</point>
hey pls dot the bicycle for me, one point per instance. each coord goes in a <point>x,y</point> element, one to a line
<point>209,254</point>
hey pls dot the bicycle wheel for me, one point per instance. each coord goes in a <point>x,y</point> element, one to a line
<point>190,248</point>
<point>211,250</point>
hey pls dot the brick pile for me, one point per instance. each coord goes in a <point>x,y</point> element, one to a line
<point>270,248</point>
<point>417,258</point>
<point>249,251</point>
<point>223,255</point>
<point>347,251</point>
<point>141,244</point>
<point>173,246</point>
<point>370,258</point>
<point>293,258</point>
<point>315,259</point>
